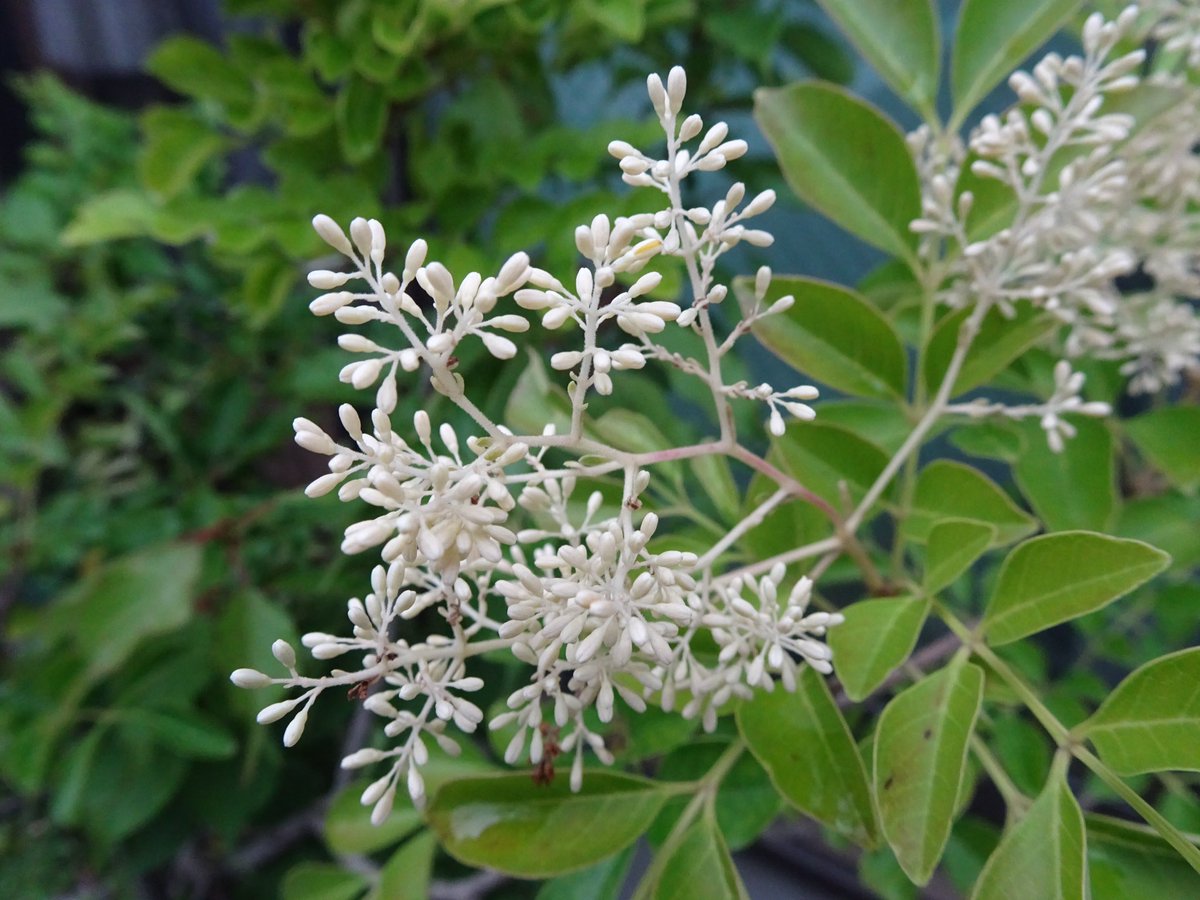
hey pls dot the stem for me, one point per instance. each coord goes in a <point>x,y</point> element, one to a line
<point>705,794</point>
<point>754,519</point>
<point>1014,799</point>
<point>1153,817</point>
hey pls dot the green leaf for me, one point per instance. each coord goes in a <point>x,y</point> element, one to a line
<point>1127,860</point>
<point>175,147</point>
<point>953,545</point>
<point>602,881</point>
<point>1167,438</point>
<point>1168,522</point>
<point>507,822</point>
<point>245,631</point>
<point>198,69</point>
<point>746,801</point>
<point>920,759</point>
<point>845,158</point>
<point>700,867</point>
<point>806,747</point>
<point>348,827</point>
<point>1000,341</point>
<point>1150,722</point>
<point>110,216</point>
<point>832,334</point>
<point>1058,577</point>
<point>361,109</point>
<point>112,610</point>
<point>185,732</point>
<point>712,471</point>
<point>1086,463</point>
<point>877,636</point>
<point>821,456</point>
<point>1043,855</point>
<point>992,38</point>
<point>321,881</point>
<point>951,490</point>
<point>405,876</point>
<point>900,39</point>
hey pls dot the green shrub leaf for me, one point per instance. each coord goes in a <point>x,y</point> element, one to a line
<point>700,867</point>
<point>1058,577</point>
<point>920,758</point>
<point>405,876</point>
<point>953,545</point>
<point>993,37</point>
<point>1086,464</point>
<point>806,747</point>
<point>833,335</point>
<point>361,110</point>
<point>508,823</point>
<point>900,39</point>
<point>1150,722</point>
<point>821,456</point>
<point>877,636</point>
<point>1043,855</point>
<point>1168,439</point>
<point>951,490</point>
<point>1000,341</point>
<point>846,158</point>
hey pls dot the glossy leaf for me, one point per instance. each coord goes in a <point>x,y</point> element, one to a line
<point>821,456</point>
<point>361,110</point>
<point>951,490</point>
<point>1057,577</point>
<point>992,39</point>
<point>1127,860</point>
<point>806,747</point>
<point>1000,341</point>
<point>508,823</point>
<point>877,636</point>
<point>1086,464</point>
<point>1043,855</point>
<point>1149,723</point>
<point>920,758</point>
<point>833,335</point>
<point>405,876</point>
<point>953,545</point>
<point>321,881</point>
<point>899,38</point>
<point>700,867</point>
<point>845,158</point>
<point>603,881</point>
<point>1168,439</point>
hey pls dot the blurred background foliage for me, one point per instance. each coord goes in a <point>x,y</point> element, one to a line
<point>156,347</point>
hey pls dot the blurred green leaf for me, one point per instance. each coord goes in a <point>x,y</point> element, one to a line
<point>361,109</point>
<point>700,866</point>
<point>993,37</point>
<point>900,39</point>
<point>603,881</point>
<point>1001,339</point>
<point>176,145</point>
<point>1167,437</point>
<point>1086,463</point>
<point>406,875</point>
<point>321,881</point>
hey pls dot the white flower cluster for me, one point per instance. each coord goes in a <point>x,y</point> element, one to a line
<point>1092,201</point>
<point>1065,399</point>
<point>485,537</point>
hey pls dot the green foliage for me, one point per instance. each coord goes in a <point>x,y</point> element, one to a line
<point>846,159</point>
<point>153,530</point>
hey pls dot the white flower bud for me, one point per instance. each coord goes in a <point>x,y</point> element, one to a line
<point>250,678</point>
<point>283,652</point>
<point>332,234</point>
<point>325,280</point>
